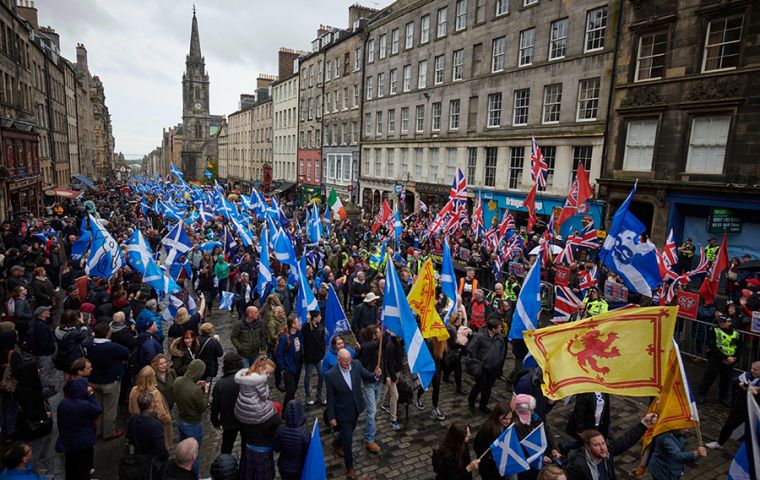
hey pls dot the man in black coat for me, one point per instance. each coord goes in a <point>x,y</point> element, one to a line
<point>591,411</point>
<point>223,401</point>
<point>145,433</point>
<point>345,402</point>
<point>364,314</point>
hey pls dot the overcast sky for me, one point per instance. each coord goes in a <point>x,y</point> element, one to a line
<point>138,49</point>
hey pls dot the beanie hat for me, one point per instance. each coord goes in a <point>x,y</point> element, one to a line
<point>144,324</point>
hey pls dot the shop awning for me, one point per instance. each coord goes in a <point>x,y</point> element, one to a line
<point>84,180</point>
<point>284,187</point>
<point>66,193</point>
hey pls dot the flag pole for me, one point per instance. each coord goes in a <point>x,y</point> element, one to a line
<point>484,453</point>
<point>380,348</point>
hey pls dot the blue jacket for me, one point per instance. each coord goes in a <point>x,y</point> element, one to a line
<point>149,346</point>
<point>289,352</point>
<point>331,359</point>
<point>292,440</point>
<point>668,456</point>
<point>26,474</point>
<point>76,417</point>
<point>41,339</point>
<point>107,360</point>
<point>148,314</point>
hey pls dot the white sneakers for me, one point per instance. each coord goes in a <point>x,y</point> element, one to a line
<point>714,445</point>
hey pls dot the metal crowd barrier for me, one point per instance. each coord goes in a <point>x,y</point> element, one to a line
<point>691,336</point>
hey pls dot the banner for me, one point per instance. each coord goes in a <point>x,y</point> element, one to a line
<point>561,275</point>
<point>688,304</point>
<point>517,269</point>
<point>617,292</point>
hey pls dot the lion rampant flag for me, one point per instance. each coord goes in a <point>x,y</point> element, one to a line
<point>422,300</point>
<point>622,352</point>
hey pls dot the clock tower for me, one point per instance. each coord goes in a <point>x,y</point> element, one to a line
<point>195,108</point>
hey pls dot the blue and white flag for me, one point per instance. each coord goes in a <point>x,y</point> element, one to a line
<point>176,269</point>
<point>245,235</point>
<point>176,172</point>
<point>448,280</point>
<point>327,220</point>
<point>397,228</point>
<point>174,304</point>
<point>314,467</point>
<point>627,256</point>
<point>305,300</point>
<point>226,303</point>
<point>205,215</point>
<point>535,445</point>
<point>156,278</point>
<point>746,463</point>
<point>265,272</point>
<point>508,454</point>
<point>208,174</point>
<point>138,251</point>
<point>105,254</point>
<point>313,225</point>
<point>335,318</point>
<point>528,304</point>
<point>208,247</point>
<point>399,318</point>
<point>176,243</point>
<point>283,250</point>
<point>228,242</point>
<point>79,247</point>
<point>259,206</point>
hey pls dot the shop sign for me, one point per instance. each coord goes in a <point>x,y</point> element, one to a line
<point>518,203</point>
<point>432,189</point>
<point>724,220</point>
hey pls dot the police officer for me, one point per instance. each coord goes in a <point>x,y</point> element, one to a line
<point>685,255</point>
<point>595,304</point>
<point>723,349</point>
<point>513,288</point>
<point>711,250</point>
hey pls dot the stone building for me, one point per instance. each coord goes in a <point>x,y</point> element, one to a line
<point>262,156</point>
<point>457,83</point>
<point>85,115</point>
<point>195,108</point>
<point>70,92</point>
<point>285,118</point>
<point>310,69</point>
<point>686,123</point>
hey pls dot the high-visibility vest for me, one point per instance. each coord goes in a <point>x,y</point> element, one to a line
<point>511,290</point>
<point>687,251</point>
<point>711,252</point>
<point>596,307</point>
<point>463,283</point>
<point>726,342</point>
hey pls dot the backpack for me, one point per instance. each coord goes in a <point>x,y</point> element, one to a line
<point>70,347</point>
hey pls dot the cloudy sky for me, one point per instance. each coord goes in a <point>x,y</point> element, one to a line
<point>138,49</point>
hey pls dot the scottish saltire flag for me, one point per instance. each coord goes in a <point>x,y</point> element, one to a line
<point>209,246</point>
<point>176,269</point>
<point>226,302</point>
<point>399,318</point>
<point>176,243</point>
<point>327,220</point>
<point>245,235</point>
<point>138,252</point>
<point>397,228</point>
<point>566,303</point>
<point>228,242</point>
<point>176,172</point>
<point>79,247</point>
<point>155,277</point>
<point>746,463</point>
<point>283,250</point>
<point>265,272</point>
<point>538,166</point>
<point>528,302</point>
<point>739,469</point>
<point>258,203</point>
<point>208,174</point>
<point>205,215</point>
<point>535,445</point>
<point>335,318</point>
<point>105,255</point>
<point>313,225</point>
<point>173,304</point>
<point>314,467</point>
<point>448,280</point>
<point>508,454</point>
<point>627,256</point>
<point>305,300</point>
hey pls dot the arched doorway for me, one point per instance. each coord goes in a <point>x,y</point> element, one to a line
<point>375,201</point>
<point>367,198</point>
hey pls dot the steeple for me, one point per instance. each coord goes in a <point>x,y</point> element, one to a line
<point>195,40</point>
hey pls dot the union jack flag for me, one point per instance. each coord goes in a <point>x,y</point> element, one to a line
<point>665,272</point>
<point>491,240</point>
<point>507,223</point>
<point>670,251</point>
<point>512,247</point>
<point>547,240</point>
<point>423,207</point>
<point>566,303</point>
<point>459,187</point>
<point>684,279</point>
<point>477,219</point>
<point>588,279</point>
<point>566,255</point>
<point>586,238</point>
<point>538,166</point>
<point>580,192</point>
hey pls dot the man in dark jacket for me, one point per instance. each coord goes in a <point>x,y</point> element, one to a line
<point>723,350</point>
<point>107,360</point>
<point>40,341</point>
<point>313,352</point>
<point>486,348</point>
<point>345,402</point>
<point>184,458</point>
<point>145,433</point>
<point>148,343</point>
<point>364,314</point>
<point>122,333</point>
<point>247,336</point>
<point>223,402</point>
<point>599,453</point>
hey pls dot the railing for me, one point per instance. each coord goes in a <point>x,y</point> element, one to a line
<point>691,336</point>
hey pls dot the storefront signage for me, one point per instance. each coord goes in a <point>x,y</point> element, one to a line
<point>518,203</point>
<point>616,292</point>
<point>431,188</point>
<point>724,220</point>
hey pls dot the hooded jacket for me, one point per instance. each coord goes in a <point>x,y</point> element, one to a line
<point>29,396</point>
<point>253,405</point>
<point>225,467</point>
<point>146,433</point>
<point>76,417</point>
<point>190,398</point>
<point>149,346</point>
<point>291,440</point>
<point>223,401</point>
<point>122,334</point>
<point>668,456</point>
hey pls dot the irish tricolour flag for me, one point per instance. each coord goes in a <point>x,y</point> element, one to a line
<point>333,201</point>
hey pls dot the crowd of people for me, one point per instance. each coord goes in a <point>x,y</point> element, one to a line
<point>78,350</point>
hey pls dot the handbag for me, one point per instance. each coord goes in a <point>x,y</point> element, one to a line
<point>138,466</point>
<point>8,381</point>
<point>31,429</point>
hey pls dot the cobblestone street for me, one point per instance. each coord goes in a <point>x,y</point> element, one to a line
<point>408,452</point>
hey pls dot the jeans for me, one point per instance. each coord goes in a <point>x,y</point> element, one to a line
<point>194,430</point>
<point>307,379</point>
<point>108,395</point>
<point>371,397</point>
<point>248,361</point>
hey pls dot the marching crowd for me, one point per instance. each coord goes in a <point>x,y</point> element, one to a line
<point>77,349</point>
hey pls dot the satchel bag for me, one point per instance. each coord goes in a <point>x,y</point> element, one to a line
<point>8,381</point>
<point>32,429</point>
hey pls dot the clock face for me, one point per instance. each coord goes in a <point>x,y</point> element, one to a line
<point>197,106</point>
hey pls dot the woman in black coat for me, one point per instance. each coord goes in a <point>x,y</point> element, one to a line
<point>451,461</point>
<point>41,289</point>
<point>9,358</point>
<point>499,419</point>
<point>209,350</point>
<point>292,441</point>
<point>34,422</point>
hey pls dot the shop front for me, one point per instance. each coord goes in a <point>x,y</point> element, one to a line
<point>309,192</point>
<point>21,182</point>
<point>434,195</point>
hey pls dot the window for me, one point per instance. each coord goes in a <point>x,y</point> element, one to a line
<point>328,72</point>
<point>581,155</point>
<point>328,100</point>
<point>356,96</point>
<point>451,162</point>
<point>550,157</point>
<point>367,125</point>
<point>460,22</point>
<point>404,163</point>
<point>436,117</point>
<point>337,67</point>
<point>393,80</point>
<point>596,29</point>
<point>405,120</point>
<point>418,163</point>
<point>527,3</point>
<point>370,50</point>
<point>457,72</point>
<point>409,35</point>
<point>558,39</point>
<point>707,144</point>
<point>438,67</point>
<point>382,41</point>
<point>490,176</point>
<point>369,89</point>
<point>345,98</point>
<point>722,44</point>
<point>357,59</point>
<point>378,162</point>
<point>419,118</point>
<point>407,78</point>
<point>380,84</point>
<point>521,103</point>
<point>480,11</point>
<point>391,121</point>
<point>494,110</point>
<point>527,41</point>
<point>433,164</point>
<point>328,136</point>
<point>502,7</point>
<point>454,114</point>
<point>319,106</point>
<point>497,54</point>
<point>389,160</point>
<point>425,29</point>
<point>319,72</point>
<point>354,132</point>
<point>472,164</point>
<point>517,154</point>
<point>552,103</point>
<point>422,74</point>
<point>650,60</point>
<point>639,145</point>
<point>394,41</point>
<point>443,21</point>
<point>588,99</point>
<point>379,123</point>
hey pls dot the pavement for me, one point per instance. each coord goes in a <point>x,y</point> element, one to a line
<point>407,453</point>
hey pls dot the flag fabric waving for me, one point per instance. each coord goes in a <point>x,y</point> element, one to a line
<point>508,453</point>
<point>528,304</point>
<point>305,300</point>
<point>265,271</point>
<point>156,278</point>
<point>580,192</point>
<point>746,463</point>
<point>566,303</point>
<point>538,166</point>
<point>105,257</point>
<point>382,216</point>
<point>535,445</point>
<point>530,205</point>
<point>448,280</point>
<point>623,352</point>
<point>478,227</point>
<point>176,242</point>
<point>422,300</point>
<point>314,467</point>
<point>333,201</point>
<point>335,318</point>
<point>709,288</point>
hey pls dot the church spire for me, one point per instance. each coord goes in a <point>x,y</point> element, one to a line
<point>195,41</point>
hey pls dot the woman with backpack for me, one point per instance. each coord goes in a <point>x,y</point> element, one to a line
<point>71,336</point>
<point>209,351</point>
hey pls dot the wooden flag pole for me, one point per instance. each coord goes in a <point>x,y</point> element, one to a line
<point>380,348</point>
<point>484,453</point>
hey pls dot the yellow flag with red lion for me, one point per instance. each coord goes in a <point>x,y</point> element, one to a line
<point>623,352</point>
<point>422,300</point>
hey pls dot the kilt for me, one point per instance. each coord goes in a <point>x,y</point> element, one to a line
<point>257,463</point>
